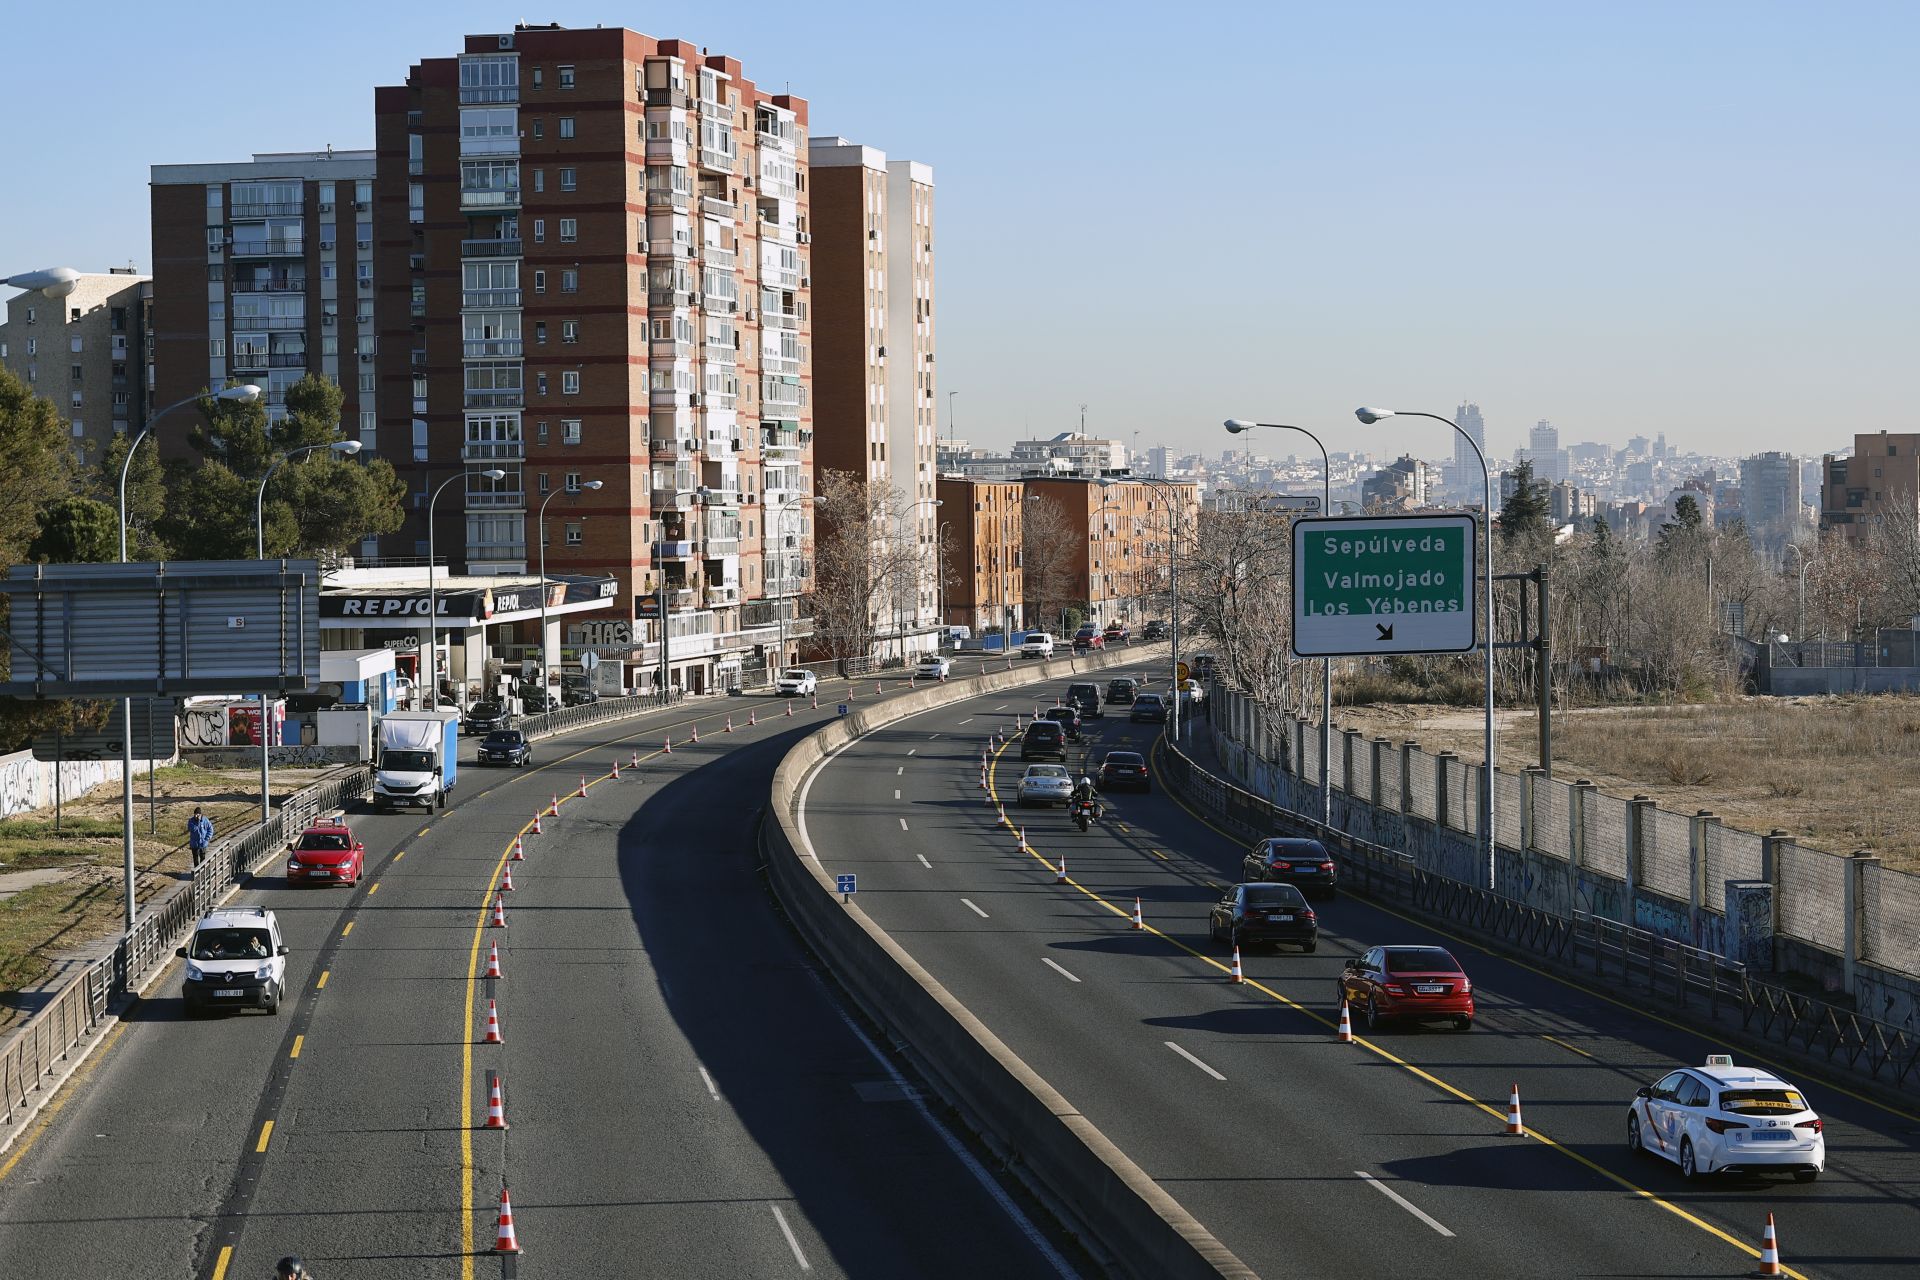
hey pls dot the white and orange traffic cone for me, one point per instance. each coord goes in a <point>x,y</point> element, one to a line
<point>789,706</point>
<point>666,745</point>
<point>1138,923</point>
<point>729,724</point>
<point>582,792</point>
<point>506,880</point>
<point>634,763</point>
<point>519,846</point>
<point>1344,1032</point>
<point>1020,837</point>
<point>536,822</point>
<point>505,1241</point>
<point>616,771</point>
<point>695,735</point>
<point>1770,1252</point>
<point>876,688</point>
<point>553,806</point>
<point>496,1111</point>
<point>493,962</point>
<point>493,1026</point>
<point>1235,974</point>
<point>1060,876</point>
<point>499,913</point>
<point>1514,1123</point>
<point>816,702</point>
<point>753,717</point>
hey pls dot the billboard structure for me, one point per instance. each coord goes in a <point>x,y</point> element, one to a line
<point>164,629</point>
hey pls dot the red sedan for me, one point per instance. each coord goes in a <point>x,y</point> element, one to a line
<point>1417,984</point>
<point>326,853</point>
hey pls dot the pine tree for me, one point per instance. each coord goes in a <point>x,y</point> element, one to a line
<point>1525,510</point>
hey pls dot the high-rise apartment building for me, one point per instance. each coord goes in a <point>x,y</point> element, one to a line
<point>592,251</point>
<point>1770,499</point>
<point>85,350</point>
<point>873,359</point>
<point>1111,557</point>
<point>262,273</point>
<point>1544,452</point>
<point>1462,475</point>
<point>1881,478</point>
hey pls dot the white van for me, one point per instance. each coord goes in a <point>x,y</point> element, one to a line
<point>1038,644</point>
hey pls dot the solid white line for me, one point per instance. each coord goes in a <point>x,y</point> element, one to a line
<point>968,720</point>
<point>923,861</point>
<point>1001,707</point>
<point>1195,1061</point>
<point>712,1088</point>
<point>1403,1202</point>
<point>1047,961</point>
<point>903,824</point>
<point>977,911</point>
<point>792,1243</point>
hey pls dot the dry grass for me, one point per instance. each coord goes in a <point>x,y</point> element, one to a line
<point>1839,773</point>
<point>41,924</point>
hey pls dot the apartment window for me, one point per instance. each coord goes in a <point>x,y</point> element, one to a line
<point>214,197</point>
<point>569,382</point>
<point>329,270</point>
<point>576,533</point>
<point>566,126</point>
<point>216,238</point>
<point>31,313</point>
<point>572,482</point>
<point>568,180</point>
<point>539,129</point>
<point>570,280</point>
<point>570,434</point>
<point>539,230</point>
<point>569,230</point>
<point>366,383</point>
<point>363,192</point>
<point>540,383</point>
<point>217,348</point>
<point>542,482</point>
<point>79,372</point>
<point>77,399</point>
<point>565,75</point>
<point>33,344</point>
<point>539,282</point>
<point>215,273</point>
<point>540,433</point>
<point>540,333</point>
<point>539,179</point>
<point>569,331</point>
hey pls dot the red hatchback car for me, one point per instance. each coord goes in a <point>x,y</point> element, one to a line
<point>1417,984</point>
<point>326,853</point>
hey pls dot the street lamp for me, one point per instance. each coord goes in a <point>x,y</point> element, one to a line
<point>430,671</point>
<point>784,597</point>
<point>1236,426</point>
<point>344,447</point>
<point>540,527</point>
<point>900,633</point>
<point>1800,612</point>
<point>53,283</point>
<point>1370,416</point>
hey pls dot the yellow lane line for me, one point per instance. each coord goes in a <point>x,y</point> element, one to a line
<point>1156,853</point>
<point>322,984</point>
<point>399,854</point>
<point>373,888</point>
<point>1564,1045</point>
<point>66,1091</point>
<point>220,1267</point>
<point>1419,1073</point>
<point>297,1042</point>
<point>349,929</point>
<point>1637,1010</point>
<point>266,1131</point>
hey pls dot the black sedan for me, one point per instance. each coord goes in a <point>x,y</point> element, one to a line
<point>1272,913</point>
<point>506,746</point>
<point>1124,771</point>
<point>1300,862</point>
<point>1148,708</point>
<point>1068,718</point>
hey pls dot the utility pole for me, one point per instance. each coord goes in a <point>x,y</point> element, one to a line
<point>1543,646</point>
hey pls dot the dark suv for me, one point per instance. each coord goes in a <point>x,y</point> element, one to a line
<point>1044,740</point>
<point>1085,698</point>
<point>1068,718</point>
<point>1123,691</point>
<point>485,717</point>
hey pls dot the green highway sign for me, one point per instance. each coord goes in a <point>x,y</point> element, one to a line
<point>1366,585</point>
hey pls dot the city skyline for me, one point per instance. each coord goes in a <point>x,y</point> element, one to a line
<point>1602,236</point>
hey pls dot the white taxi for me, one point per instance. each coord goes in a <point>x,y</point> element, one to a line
<point>1720,1118</point>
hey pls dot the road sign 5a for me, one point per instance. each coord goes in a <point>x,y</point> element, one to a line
<point>1367,585</point>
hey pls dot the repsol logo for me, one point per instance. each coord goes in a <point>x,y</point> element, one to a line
<point>390,607</point>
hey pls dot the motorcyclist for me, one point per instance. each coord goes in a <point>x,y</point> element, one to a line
<point>1083,789</point>
<point>291,1268</point>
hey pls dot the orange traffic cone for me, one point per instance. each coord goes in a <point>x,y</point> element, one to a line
<point>493,1026</point>
<point>1020,838</point>
<point>1138,923</point>
<point>667,746</point>
<point>1235,974</point>
<point>493,962</point>
<point>582,793</point>
<point>499,913</point>
<point>876,688</point>
<point>695,735</point>
<point>518,849</point>
<point>816,701</point>
<point>536,822</point>
<point>1060,876</point>
<point>505,1242</point>
<point>1344,1034</point>
<point>753,717</point>
<point>729,724</point>
<point>1770,1252</point>
<point>635,762</point>
<point>506,881</point>
<point>496,1109</point>
<point>789,706</point>
<point>1514,1124</point>
<point>616,771</point>
<point>553,806</point>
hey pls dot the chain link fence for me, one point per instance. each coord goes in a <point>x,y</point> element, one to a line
<point>1811,889</point>
<point>1732,854</point>
<point>1605,835</point>
<point>1890,919</point>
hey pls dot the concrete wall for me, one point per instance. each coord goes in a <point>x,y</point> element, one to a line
<point>27,785</point>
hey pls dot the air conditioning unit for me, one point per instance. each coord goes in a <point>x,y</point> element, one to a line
<point>327,321</point>
<point>806,282</point>
<point>506,42</point>
<point>360,206</point>
<point>326,246</point>
<point>363,244</point>
<point>806,237</point>
<point>752,314</point>
<point>326,206</point>
<point>693,398</point>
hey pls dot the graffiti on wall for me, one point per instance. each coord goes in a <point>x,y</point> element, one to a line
<point>27,784</point>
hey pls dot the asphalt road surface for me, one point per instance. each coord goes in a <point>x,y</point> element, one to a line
<point>684,1095</point>
<point>1305,1156</point>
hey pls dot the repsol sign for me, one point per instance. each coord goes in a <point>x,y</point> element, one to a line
<point>397,607</point>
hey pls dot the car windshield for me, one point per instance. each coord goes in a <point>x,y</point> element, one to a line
<point>406,761</point>
<point>1047,771</point>
<point>1421,960</point>
<point>1761,1102</point>
<point>1296,848</point>
<point>1273,895</point>
<point>793,675</point>
<point>230,944</point>
<point>1120,686</point>
<point>504,738</point>
<point>484,710</point>
<point>1060,713</point>
<point>1125,759</point>
<point>1147,700</point>
<point>325,841</point>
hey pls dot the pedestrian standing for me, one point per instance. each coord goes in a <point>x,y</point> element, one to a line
<point>199,836</point>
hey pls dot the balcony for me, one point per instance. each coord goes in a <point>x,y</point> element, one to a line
<point>719,259</point>
<point>718,110</point>
<point>720,497</point>
<point>663,198</point>
<point>496,399</point>
<point>490,297</point>
<point>788,366</point>
<point>667,98</point>
<point>492,248</point>
<point>270,209</point>
<point>681,550</point>
<point>776,391</point>
<point>669,349</point>
<point>666,151</point>
<point>722,596</point>
<point>715,207</point>
<point>508,145</point>
<point>493,451</point>
<point>683,598</point>
<point>484,348</point>
<point>253,324</point>
<point>779,320</point>
<point>471,95</point>
<point>716,161</point>
<point>717,547</point>
<point>496,499</point>
<point>670,499</point>
<point>668,299</point>
<point>783,278</point>
<point>268,248</point>
<point>485,198</point>
<point>278,284</point>
<point>670,448</point>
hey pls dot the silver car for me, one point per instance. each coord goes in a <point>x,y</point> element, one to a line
<point>1046,784</point>
<point>797,682</point>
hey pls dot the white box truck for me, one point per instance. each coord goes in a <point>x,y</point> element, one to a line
<point>418,759</point>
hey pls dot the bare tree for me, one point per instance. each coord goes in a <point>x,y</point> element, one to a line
<point>1050,546</point>
<point>861,566</point>
<point>1236,590</point>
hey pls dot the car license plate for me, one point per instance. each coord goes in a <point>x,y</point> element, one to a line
<point>1281,919</point>
<point>230,991</point>
<point>319,873</point>
<point>1770,1135</point>
<point>1430,989</point>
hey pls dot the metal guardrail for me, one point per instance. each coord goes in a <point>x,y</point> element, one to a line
<point>547,723</point>
<point>1678,978</point>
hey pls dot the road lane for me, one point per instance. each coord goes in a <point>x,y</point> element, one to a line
<point>1271,1168</point>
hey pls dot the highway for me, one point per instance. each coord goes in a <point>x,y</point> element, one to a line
<point>1386,1157</point>
<point>684,1095</point>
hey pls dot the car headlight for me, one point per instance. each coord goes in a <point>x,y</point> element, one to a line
<point>193,973</point>
<point>264,971</point>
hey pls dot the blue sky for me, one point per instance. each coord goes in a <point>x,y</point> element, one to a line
<point>1627,218</point>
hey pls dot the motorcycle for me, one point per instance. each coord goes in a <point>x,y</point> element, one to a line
<point>1085,814</point>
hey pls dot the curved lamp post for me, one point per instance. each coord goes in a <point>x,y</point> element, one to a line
<point>1370,416</point>
<point>540,527</point>
<point>785,597</point>
<point>431,671</point>
<point>900,630</point>
<point>1236,426</point>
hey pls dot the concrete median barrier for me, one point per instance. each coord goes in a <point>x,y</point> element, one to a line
<point>1125,1216</point>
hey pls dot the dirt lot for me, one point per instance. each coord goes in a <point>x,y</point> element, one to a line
<point>1840,773</point>
<point>41,923</point>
